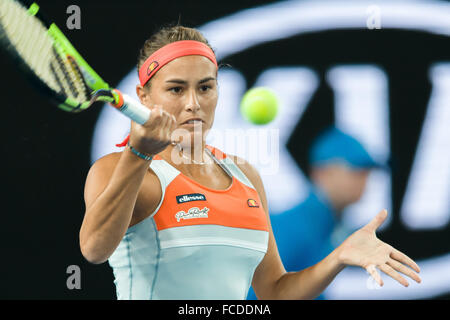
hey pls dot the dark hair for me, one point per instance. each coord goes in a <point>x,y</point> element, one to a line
<point>165,36</point>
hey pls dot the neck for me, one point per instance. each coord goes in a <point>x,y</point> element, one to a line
<point>182,155</point>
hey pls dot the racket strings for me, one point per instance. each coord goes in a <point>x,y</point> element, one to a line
<point>68,85</point>
<point>80,82</point>
<point>43,55</point>
<point>29,38</point>
<point>71,80</point>
<point>54,69</point>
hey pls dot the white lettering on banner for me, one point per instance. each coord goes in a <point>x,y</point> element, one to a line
<point>426,203</point>
<point>362,110</point>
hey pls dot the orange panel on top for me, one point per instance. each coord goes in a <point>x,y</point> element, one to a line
<point>186,203</point>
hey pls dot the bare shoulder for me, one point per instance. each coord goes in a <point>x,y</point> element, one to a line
<point>103,167</point>
<point>249,170</point>
<point>100,175</point>
<point>108,161</point>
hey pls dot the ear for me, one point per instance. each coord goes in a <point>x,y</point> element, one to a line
<point>143,94</point>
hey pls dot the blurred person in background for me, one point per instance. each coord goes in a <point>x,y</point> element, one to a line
<point>308,232</point>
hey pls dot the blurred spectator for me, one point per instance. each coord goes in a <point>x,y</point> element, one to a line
<point>308,232</point>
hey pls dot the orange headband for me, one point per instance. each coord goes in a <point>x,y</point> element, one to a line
<point>170,52</point>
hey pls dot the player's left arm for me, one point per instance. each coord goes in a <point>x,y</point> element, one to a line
<point>270,280</point>
<point>362,248</point>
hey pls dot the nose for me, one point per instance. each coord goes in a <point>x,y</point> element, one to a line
<point>192,103</point>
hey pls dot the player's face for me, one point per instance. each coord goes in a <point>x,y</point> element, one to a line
<point>187,88</point>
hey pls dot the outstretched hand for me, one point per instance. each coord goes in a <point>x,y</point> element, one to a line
<point>365,250</point>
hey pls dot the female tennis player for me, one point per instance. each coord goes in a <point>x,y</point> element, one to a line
<point>179,219</point>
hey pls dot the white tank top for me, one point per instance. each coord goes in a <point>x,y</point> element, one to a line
<point>199,243</point>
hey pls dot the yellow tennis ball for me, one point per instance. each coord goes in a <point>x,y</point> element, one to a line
<point>259,105</point>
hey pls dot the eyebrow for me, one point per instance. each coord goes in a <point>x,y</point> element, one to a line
<point>179,81</point>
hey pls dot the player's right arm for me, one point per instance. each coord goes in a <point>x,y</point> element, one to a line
<point>112,188</point>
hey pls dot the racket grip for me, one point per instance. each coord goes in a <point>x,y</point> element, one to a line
<point>132,108</point>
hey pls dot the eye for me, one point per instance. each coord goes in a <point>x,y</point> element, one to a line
<point>176,89</point>
<point>205,88</point>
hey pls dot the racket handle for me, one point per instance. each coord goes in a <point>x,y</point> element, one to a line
<point>135,110</point>
<point>132,108</point>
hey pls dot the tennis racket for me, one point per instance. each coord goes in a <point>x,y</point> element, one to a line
<point>54,66</point>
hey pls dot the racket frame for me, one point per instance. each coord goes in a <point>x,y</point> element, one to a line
<point>100,90</point>
<point>63,46</point>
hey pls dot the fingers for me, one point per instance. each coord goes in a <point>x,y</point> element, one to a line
<point>156,117</point>
<point>403,258</point>
<point>156,134</point>
<point>394,274</point>
<point>377,221</point>
<point>374,273</point>
<point>161,124</point>
<point>390,268</point>
<point>168,123</point>
<point>404,269</point>
<point>162,117</point>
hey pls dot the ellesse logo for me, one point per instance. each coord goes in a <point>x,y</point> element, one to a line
<point>191,197</point>
<point>152,66</point>
<point>252,203</point>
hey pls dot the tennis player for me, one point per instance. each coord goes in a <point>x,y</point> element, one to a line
<point>179,219</point>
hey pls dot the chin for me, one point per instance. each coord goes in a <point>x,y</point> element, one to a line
<point>191,140</point>
<point>190,135</point>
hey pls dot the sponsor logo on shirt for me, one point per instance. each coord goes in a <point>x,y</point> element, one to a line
<point>192,213</point>
<point>252,203</point>
<point>191,197</point>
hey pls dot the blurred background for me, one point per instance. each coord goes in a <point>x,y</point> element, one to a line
<point>377,70</point>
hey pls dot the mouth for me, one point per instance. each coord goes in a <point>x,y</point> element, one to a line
<point>195,121</point>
